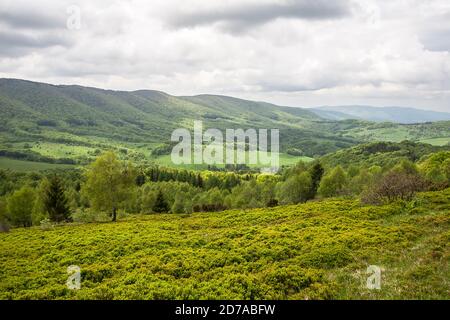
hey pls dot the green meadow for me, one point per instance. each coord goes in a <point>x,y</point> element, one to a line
<point>317,250</point>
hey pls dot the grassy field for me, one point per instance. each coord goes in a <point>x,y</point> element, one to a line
<point>19,165</point>
<point>284,158</point>
<point>437,141</point>
<point>318,250</point>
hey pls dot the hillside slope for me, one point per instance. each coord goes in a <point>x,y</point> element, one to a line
<point>384,154</point>
<point>94,117</point>
<point>72,124</point>
<point>318,250</point>
<point>380,114</point>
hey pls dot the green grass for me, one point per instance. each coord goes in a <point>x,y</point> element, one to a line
<point>60,150</point>
<point>19,165</point>
<point>284,158</point>
<point>318,250</point>
<point>437,141</point>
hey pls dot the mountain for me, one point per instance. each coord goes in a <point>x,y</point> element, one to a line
<point>380,114</point>
<point>42,119</point>
<point>73,124</point>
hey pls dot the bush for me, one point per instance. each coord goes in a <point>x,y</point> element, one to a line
<point>46,224</point>
<point>394,186</point>
<point>89,215</point>
<point>4,227</point>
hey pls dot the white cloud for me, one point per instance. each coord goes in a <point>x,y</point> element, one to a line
<point>302,53</point>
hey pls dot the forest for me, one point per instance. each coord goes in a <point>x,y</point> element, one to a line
<point>110,187</point>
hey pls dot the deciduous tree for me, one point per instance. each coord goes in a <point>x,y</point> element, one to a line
<point>109,181</point>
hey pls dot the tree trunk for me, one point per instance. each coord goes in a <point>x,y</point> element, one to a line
<point>114,214</point>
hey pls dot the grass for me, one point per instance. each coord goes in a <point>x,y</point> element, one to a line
<point>437,141</point>
<point>318,250</point>
<point>20,165</point>
<point>284,158</point>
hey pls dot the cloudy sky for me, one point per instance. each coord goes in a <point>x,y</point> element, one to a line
<point>297,53</point>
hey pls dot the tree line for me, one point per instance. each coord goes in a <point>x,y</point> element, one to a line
<point>113,187</point>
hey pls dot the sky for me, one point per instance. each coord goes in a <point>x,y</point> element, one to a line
<point>301,53</point>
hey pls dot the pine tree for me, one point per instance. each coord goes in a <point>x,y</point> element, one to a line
<point>55,201</point>
<point>160,204</point>
<point>316,173</point>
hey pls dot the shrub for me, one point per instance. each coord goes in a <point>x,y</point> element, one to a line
<point>4,227</point>
<point>395,185</point>
<point>46,224</point>
<point>89,215</point>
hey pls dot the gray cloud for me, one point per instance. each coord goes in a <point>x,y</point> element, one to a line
<point>237,18</point>
<point>16,44</point>
<point>273,86</point>
<point>437,40</point>
<point>32,19</point>
<point>287,52</point>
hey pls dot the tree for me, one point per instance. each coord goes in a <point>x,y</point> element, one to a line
<point>161,204</point>
<point>316,173</point>
<point>108,183</point>
<point>4,226</point>
<point>295,189</point>
<point>178,204</point>
<point>140,180</point>
<point>199,182</point>
<point>39,211</point>
<point>333,184</point>
<point>20,206</point>
<point>393,186</point>
<point>55,201</point>
<point>406,166</point>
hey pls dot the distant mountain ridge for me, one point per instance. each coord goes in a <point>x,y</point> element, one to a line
<point>380,114</point>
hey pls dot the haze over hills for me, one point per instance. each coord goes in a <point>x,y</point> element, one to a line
<point>380,114</point>
<point>43,122</point>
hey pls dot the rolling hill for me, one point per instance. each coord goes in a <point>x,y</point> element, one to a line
<point>71,124</point>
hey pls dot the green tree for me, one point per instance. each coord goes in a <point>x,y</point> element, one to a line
<point>446,168</point>
<point>316,173</point>
<point>109,182</point>
<point>334,183</point>
<point>295,189</point>
<point>161,204</point>
<point>39,211</point>
<point>178,204</point>
<point>4,226</point>
<point>20,206</point>
<point>406,166</point>
<point>55,202</point>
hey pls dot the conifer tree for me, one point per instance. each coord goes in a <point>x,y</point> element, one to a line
<point>55,201</point>
<point>160,204</point>
<point>316,173</point>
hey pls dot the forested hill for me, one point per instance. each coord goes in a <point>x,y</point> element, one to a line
<point>385,154</point>
<point>31,109</point>
<point>41,121</point>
